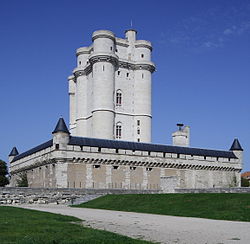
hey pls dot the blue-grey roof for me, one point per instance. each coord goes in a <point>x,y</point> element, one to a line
<point>14,152</point>
<point>84,141</point>
<point>33,150</point>
<point>61,127</point>
<point>236,146</point>
<point>127,145</point>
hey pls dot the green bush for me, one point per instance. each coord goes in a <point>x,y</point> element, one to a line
<point>244,182</point>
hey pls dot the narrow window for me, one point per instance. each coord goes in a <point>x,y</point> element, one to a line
<point>138,139</point>
<point>111,48</point>
<point>178,155</point>
<point>57,146</point>
<point>80,62</point>
<point>119,72</point>
<point>118,131</point>
<point>103,68</point>
<point>142,55</point>
<point>142,75</point>
<point>149,153</point>
<point>138,122</point>
<point>116,50</point>
<point>99,149</point>
<point>138,131</point>
<point>127,74</point>
<point>116,150</point>
<point>164,155</point>
<point>81,148</point>
<point>118,98</point>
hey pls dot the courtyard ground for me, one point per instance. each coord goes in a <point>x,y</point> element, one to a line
<point>157,228</point>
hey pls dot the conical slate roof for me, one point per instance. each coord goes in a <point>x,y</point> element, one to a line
<point>236,146</point>
<point>14,152</point>
<point>61,127</point>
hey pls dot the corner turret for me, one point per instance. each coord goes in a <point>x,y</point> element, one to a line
<point>13,153</point>
<point>61,135</point>
<point>238,151</point>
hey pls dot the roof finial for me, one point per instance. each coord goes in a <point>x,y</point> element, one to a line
<point>131,23</point>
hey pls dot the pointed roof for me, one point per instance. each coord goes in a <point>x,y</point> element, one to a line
<point>236,146</point>
<point>14,152</point>
<point>61,127</point>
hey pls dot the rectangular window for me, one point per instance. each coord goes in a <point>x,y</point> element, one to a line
<point>138,139</point>
<point>138,122</point>
<point>118,72</point>
<point>118,132</point>
<point>138,131</point>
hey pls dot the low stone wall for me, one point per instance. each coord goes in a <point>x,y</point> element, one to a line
<point>215,190</point>
<point>25,195</point>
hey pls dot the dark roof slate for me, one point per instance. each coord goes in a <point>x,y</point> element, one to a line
<point>33,150</point>
<point>236,146</point>
<point>94,142</point>
<point>61,127</point>
<point>14,152</point>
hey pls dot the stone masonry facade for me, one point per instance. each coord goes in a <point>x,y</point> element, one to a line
<point>107,145</point>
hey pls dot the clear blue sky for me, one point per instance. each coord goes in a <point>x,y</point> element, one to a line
<point>201,50</point>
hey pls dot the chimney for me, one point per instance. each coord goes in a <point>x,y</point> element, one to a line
<point>181,137</point>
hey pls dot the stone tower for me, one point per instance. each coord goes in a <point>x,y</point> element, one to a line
<point>110,89</point>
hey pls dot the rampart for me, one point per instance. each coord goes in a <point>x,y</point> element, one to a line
<point>26,195</point>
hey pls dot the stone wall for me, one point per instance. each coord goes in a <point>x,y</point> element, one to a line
<point>215,190</point>
<point>25,195</point>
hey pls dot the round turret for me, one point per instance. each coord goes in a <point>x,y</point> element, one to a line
<point>103,41</point>
<point>143,50</point>
<point>82,54</point>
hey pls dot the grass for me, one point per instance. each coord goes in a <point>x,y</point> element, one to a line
<point>24,226</point>
<point>226,206</point>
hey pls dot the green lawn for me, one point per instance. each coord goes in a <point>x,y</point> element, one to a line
<point>213,206</point>
<point>24,226</point>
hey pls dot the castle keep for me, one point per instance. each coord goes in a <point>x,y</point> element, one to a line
<point>108,143</point>
<point>110,89</point>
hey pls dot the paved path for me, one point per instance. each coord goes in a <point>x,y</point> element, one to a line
<point>157,228</point>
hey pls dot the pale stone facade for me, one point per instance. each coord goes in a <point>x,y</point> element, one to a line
<point>110,89</point>
<point>76,159</point>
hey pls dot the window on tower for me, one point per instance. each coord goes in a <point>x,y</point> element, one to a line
<point>118,98</point>
<point>118,131</point>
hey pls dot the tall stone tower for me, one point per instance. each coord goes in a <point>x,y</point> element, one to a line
<point>110,89</point>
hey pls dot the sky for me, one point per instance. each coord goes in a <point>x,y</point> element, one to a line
<point>201,49</point>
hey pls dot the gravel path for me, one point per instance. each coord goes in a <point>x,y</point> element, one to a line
<point>157,228</point>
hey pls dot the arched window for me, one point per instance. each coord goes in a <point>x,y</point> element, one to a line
<point>118,98</point>
<point>118,130</point>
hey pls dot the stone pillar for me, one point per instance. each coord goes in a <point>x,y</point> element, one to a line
<point>89,176</point>
<point>108,176</point>
<point>127,177</point>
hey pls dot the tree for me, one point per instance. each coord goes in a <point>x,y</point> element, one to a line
<point>23,180</point>
<point>3,174</point>
<point>244,182</point>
